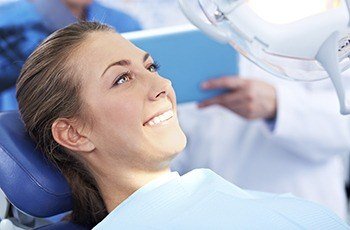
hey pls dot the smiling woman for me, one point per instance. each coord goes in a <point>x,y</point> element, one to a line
<point>96,106</point>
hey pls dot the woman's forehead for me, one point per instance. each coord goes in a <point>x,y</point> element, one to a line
<point>100,49</point>
<point>107,46</point>
<point>105,41</point>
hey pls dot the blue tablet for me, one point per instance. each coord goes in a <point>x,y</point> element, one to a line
<point>187,57</point>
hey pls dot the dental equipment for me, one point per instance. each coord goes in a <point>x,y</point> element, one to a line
<point>295,39</point>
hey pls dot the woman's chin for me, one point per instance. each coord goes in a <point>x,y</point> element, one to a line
<point>180,143</point>
<point>174,145</point>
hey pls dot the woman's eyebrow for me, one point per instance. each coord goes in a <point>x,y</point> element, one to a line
<point>123,63</point>
<point>146,57</point>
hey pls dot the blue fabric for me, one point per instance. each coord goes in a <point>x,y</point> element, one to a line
<point>203,200</point>
<point>21,30</point>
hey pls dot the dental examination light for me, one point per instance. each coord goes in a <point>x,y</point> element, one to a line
<point>302,40</point>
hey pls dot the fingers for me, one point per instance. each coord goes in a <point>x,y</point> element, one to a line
<point>229,100</point>
<point>227,82</point>
<point>250,99</point>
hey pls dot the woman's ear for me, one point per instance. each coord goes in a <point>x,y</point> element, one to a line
<point>69,134</point>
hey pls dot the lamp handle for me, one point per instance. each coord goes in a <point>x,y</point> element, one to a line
<point>328,58</point>
<point>348,4</point>
<point>209,29</point>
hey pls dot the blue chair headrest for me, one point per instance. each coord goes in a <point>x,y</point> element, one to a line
<point>29,181</point>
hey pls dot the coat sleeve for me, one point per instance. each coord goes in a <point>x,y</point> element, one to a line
<point>308,121</point>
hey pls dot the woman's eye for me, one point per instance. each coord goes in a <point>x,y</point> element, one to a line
<point>154,67</point>
<point>122,79</point>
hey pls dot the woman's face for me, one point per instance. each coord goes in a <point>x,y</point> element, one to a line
<point>132,107</point>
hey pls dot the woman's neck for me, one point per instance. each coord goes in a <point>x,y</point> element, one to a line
<point>118,186</point>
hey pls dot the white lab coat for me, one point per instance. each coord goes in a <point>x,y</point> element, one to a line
<point>301,154</point>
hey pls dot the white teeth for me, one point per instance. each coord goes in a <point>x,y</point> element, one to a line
<point>156,119</point>
<point>163,117</point>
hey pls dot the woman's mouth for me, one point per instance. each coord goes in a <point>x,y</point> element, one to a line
<point>160,118</point>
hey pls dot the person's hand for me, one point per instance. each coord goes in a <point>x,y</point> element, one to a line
<point>251,99</point>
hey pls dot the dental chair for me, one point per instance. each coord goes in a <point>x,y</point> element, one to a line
<point>32,189</point>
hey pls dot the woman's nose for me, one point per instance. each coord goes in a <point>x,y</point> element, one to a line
<point>160,88</point>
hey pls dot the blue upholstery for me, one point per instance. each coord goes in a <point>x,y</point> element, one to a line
<point>36,187</point>
<point>31,183</point>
